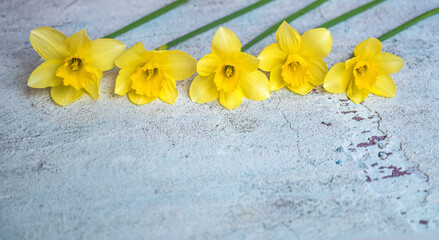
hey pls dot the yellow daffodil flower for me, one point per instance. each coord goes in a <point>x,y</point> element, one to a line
<point>228,74</point>
<point>73,65</point>
<point>368,71</point>
<point>147,75</point>
<point>297,61</point>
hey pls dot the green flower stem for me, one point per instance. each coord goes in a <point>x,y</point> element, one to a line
<point>146,18</point>
<point>350,14</point>
<point>214,24</point>
<point>408,24</point>
<point>290,18</point>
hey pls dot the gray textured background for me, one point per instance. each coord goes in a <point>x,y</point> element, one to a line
<point>290,167</point>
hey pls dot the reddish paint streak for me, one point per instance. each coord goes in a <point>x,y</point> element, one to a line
<point>344,104</point>
<point>365,131</point>
<point>372,141</point>
<point>368,179</point>
<point>343,100</point>
<point>346,112</point>
<point>374,164</point>
<point>425,222</point>
<point>352,149</point>
<point>396,172</point>
<point>356,118</point>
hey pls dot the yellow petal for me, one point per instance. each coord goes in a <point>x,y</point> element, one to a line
<point>123,81</point>
<point>318,70</point>
<point>49,43</point>
<point>316,43</point>
<point>384,86</point>
<point>271,56</point>
<point>231,100</point>
<point>368,48</point>
<point>288,38</point>
<point>79,43</point>
<point>245,62</point>
<point>302,89</point>
<point>178,65</point>
<point>208,64</point>
<point>169,92</point>
<point>45,75</point>
<point>103,52</point>
<point>139,99</point>
<point>387,63</point>
<point>276,81</point>
<point>225,43</point>
<point>337,79</point>
<point>133,57</point>
<point>356,94</point>
<point>64,95</point>
<point>255,85</point>
<point>203,89</point>
<point>92,87</point>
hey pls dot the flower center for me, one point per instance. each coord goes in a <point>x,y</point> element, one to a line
<point>147,80</point>
<point>226,78</point>
<point>75,73</point>
<point>365,75</point>
<point>295,71</point>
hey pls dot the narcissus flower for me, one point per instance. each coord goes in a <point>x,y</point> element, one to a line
<point>297,61</point>
<point>73,65</point>
<point>228,74</point>
<point>368,71</point>
<point>147,75</point>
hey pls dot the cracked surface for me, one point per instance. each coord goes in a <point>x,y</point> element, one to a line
<point>290,167</point>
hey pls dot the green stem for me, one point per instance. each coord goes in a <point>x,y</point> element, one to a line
<point>146,18</point>
<point>407,24</point>
<point>290,18</point>
<point>214,24</point>
<point>350,14</point>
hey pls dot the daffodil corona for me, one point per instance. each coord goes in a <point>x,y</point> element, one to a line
<point>228,74</point>
<point>73,65</point>
<point>297,61</point>
<point>368,71</point>
<point>148,75</point>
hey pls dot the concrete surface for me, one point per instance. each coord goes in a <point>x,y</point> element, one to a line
<point>291,167</point>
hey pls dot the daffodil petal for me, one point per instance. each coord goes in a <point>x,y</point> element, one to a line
<point>64,95</point>
<point>276,81</point>
<point>337,79</point>
<point>231,100</point>
<point>133,57</point>
<point>387,63</point>
<point>203,89</point>
<point>45,75</point>
<point>288,38</point>
<point>255,85</point>
<point>303,89</point>
<point>208,64</point>
<point>79,43</point>
<point>384,86</point>
<point>316,43</point>
<point>356,94</point>
<point>271,56</point>
<point>246,62</point>
<point>49,43</point>
<point>139,99</point>
<point>318,70</point>
<point>169,92</point>
<point>178,65</point>
<point>123,81</point>
<point>225,43</point>
<point>92,87</point>
<point>103,52</point>
<point>368,48</point>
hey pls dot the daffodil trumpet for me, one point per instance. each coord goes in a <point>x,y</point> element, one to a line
<point>228,74</point>
<point>73,65</point>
